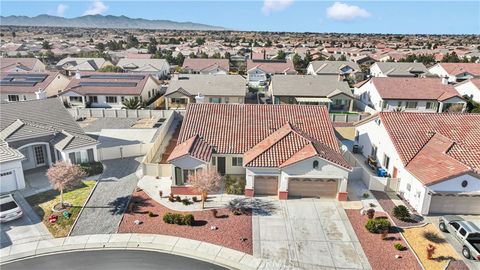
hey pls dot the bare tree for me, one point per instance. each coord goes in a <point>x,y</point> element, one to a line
<point>204,182</point>
<point>63,175</point>
<point>455,108</point>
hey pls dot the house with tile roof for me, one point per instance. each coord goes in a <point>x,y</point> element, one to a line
<point>281,150</point>
<point>109,90</point>
<point>260,71</point>
<point>159,68</point>
<point>34,135</point>
<point>434,156</point>
<point>408,94</point>
<point>73,64</point>
<point>470,88</point>
<point>456,72</point>
<point>345,69</point>
<point>21,65</point>
<point>206,66</point>
<point>312,90</point>
<point>197,88</point>
<point>398,69</point>
<point>21,86</point>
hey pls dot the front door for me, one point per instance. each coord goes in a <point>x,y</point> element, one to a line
<point>39,155</point>
<point>221,165</point>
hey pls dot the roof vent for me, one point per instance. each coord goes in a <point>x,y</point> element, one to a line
<point>199,98</point>
<point>78,76</point>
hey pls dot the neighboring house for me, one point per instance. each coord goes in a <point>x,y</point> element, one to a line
<point>72,65</point>
<point>28,86</point>
<point>408,94</point>
<point>34,135</point>
<point>260,71</point>
<point>312,90</point>
<point>156,67</point>
<point>21,65</point>
<point>470,88</point>
<point>398,69</point>
<point>456,72</point>
<point>345,69</point>
<point>281,150</point>
<point>206,66</point>
<point>185,89</point>
<point>109,90</point>
<point>363,60</point>
<point>436,158</point>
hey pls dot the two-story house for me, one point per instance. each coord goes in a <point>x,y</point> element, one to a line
<point>8,65</point>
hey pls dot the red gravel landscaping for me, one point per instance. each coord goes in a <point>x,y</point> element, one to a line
<point>381,253</point>
<point>231,228</point>
<point>387,204</point>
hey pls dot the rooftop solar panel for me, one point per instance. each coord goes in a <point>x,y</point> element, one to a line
<point>27,75</point>
<point>117,76</point>
<point>17,83</point>
<point>109,84</point>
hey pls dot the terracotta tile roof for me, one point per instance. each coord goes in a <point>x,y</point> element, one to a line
<point>199,64</point>
<point>268,135</point>
<point>413,88</point>
<point>272,66</point>
<point>195,147</point>
<point>459,68</point>
<point>424,134</point>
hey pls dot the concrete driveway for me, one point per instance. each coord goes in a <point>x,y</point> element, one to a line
<point>308,234</point>
<point>25,229</point>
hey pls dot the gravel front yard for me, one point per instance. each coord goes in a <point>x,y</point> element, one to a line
<point>387,205</point>
<point>381,253</point>
<point>231,228</point>
<point>419,238</point>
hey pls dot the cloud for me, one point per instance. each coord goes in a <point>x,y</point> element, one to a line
<point>344,12</point>
<point>270,6</point>
<point>97,7</point>
<point>61,8</point>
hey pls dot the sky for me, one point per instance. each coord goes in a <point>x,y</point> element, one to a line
<point>403,17</point>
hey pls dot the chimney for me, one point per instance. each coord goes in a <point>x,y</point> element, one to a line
<point>78,76</point>
<point>445,80</point>
<point>199,99</point>
<point>41,94</point>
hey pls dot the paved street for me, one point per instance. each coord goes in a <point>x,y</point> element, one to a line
<point>110,259</point>
<point>309,234</point>
<point>105,208</point>
<point>28,228</point>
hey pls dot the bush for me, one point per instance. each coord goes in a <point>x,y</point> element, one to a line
<point>195,199</point>
<point>188,219</point>
<point>234,185</point>
<point>168,218</point>
<point>377,225</point>
<point>178,199</point>
<point>186,201</point>
<point>399,246</point>
<point>401,212</point>
<point>178,219</point>
<point>91,169</point>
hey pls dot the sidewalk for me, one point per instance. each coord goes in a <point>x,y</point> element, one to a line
<point>179,246</point>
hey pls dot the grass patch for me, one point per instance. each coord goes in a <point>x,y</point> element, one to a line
<point>43,202</point>
<point>419,238</point>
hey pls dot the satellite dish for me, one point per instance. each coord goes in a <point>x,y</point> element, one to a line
<point>344,148</point>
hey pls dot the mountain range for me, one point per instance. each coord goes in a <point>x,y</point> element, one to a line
<point>101,21</point>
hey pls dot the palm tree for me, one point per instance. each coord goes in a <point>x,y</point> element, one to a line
<point>131,104</point>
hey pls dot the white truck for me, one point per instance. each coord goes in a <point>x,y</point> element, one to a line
<point>466,232</point>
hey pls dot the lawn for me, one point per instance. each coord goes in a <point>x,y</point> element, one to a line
<point>43,202</point>
<point>420,237</point>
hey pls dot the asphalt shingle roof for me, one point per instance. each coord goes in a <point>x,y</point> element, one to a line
<point>333,67</point>
<point>208,85</point>
<point>401,69</point>
<point>308,86</point>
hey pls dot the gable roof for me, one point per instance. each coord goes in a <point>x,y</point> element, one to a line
<point>208,85</point>
<point>9,154</point>
<point>333,67</point>
<point>272,66</point>
<point>86,64</point>
<point>27,64</point>
<point>260,131</point>
<point>26,82</point>
<point>401,69</point>
<point>459,68</point>
<point>413,88</point>
<point>448,142</point>
<point>308,86</point>
<point>37,118</point>
<point>195,147</point>
<point>139,64</point>
<point>203,64</point>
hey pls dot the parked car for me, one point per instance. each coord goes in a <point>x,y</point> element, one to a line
<point>9,208</point>
<point>465,232</point>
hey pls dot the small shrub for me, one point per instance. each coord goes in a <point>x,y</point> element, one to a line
<point>178,199</point>
<point>195,199</point>
<point>171,198</point>
<point>151,214</point>
<point>186,201</point>
<point>370,213</point>
<point>92,169</point>
<point>401,212</point>
<point>188,219</point>
<point>178,219</point>
<point>168,218</point>
<point>366,195</point>
<point>399,246</point>
<point>377,225</point>
<point>372,205</point>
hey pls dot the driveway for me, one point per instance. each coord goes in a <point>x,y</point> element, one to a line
<point>106,206</point>
<point>25,229</point>
<point>308,234</point>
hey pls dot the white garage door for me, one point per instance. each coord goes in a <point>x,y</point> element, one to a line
<point>455,204</point>
<point>312,187</point>
<point>8,181</point>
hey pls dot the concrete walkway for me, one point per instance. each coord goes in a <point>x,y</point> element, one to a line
<point>104,210</point>
<point>169,244</point>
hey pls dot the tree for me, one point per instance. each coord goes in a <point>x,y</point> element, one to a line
<point>14,34</point>
<point>331,58</point>
<point>227,55</point>
<point>46,45</point>
<point>204,182</point>
<point>217,55</point>
<point>308,58</point>
<point>111,68</point>
<point>200,41</point>
<point>192,55</point>
<point>131,104</point>
<point>63,175</point>
<point>132,41</point>
<point>281,55</point>
<point>179,59</point>
<point>297,61</point>
<point>100,46</point>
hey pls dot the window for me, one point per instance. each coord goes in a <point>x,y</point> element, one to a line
<point>315,164</point>
<point>462,232</point>
<point>122,99</point>
<point>373,153</point>
<point>226,100</point>
<point>13,98</point>
<point>81,157</point>
<point>455,225</point>
<point>386,161</point>
<point>237,161</point>
<point>149,95</point>
<point>39,156</point>
<point>399,104</point>
<point>409,187</point>
<point>6,173</point>
<point>384,104</point>
<point>76,99</point>
<point>412,104</point>
<point>186,173</point>
<point>111,99</point>
<point>214,161</point>
<point>93,99</point>
<point>179,100</point>
<point>215,100</point>
<point>431,105</point>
